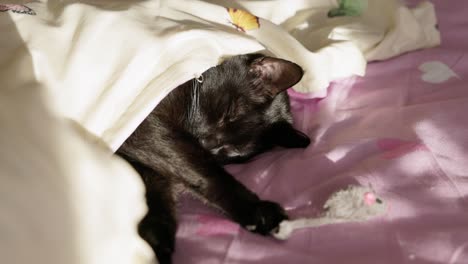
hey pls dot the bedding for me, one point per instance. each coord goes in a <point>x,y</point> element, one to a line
<point>106,64</point>
<point>93,56</point>
<point>64,198</point>
<point>400,130</point>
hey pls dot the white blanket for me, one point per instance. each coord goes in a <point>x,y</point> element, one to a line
<point>62,198</point>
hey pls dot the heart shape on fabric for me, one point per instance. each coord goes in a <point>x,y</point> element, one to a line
<point>436,72</point>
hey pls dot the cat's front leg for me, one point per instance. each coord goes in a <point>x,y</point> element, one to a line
<point>181,157</point>
<point>241,204</point>
<point>210,182</point>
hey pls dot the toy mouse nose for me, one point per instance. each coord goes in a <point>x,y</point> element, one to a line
<point>369,198</point>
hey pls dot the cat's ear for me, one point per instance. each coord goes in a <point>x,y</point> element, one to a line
<point>272,75</point>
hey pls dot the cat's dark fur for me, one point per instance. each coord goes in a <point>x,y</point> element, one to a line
<point>239,110</point>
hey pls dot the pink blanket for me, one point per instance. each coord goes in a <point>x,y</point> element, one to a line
<point>402,129</point>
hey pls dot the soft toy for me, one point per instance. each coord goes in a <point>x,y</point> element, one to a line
<point>353,204</point>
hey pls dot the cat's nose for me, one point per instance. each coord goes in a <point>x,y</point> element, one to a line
<point>209,143</point>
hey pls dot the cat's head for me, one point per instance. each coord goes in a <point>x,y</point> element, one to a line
<point>238,101</point>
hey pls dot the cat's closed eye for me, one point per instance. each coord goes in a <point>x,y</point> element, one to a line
<point>234,112</point>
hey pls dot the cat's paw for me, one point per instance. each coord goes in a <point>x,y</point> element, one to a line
<point>265,217</point>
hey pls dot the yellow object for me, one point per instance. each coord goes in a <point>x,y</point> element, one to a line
<point>243,20</point>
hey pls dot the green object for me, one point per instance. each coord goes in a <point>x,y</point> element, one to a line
<point>349,8</point>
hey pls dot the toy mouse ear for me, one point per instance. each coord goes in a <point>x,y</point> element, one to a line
<point>273,75</point>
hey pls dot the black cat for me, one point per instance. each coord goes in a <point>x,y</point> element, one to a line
<point>231,113</point>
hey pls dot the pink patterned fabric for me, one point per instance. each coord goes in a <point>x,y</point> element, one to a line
<point>394,130</point>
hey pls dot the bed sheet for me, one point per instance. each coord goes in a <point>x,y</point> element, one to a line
<point>402,130</point>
